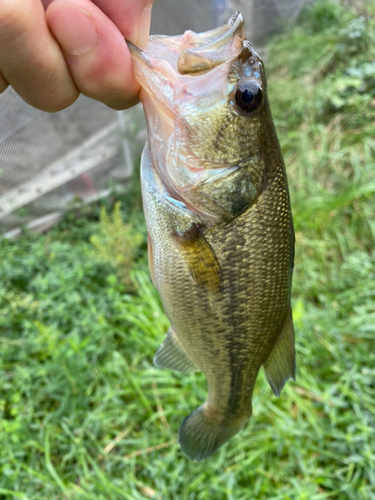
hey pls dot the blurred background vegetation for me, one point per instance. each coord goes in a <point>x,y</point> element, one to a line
<point>84,415</point>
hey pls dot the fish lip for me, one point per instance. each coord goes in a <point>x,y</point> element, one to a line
<point>215,33</point>
<point>235,17</point>
<point>199,60</point>
<point>138,53</point>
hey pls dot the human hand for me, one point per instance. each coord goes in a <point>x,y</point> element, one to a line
<point>52,50</point>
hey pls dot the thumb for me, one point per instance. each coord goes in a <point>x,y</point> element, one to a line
<point>132,18</point>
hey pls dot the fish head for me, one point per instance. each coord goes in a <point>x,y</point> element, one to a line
<point>205,102</point>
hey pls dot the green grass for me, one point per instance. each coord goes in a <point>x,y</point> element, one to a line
<point>84,415</point>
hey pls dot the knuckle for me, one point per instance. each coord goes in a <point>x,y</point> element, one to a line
<point>11,16</point>
<point>14,27</point>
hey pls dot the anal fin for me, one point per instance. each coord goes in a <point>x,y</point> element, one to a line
<point>172,355</point>
<point>281,363</point>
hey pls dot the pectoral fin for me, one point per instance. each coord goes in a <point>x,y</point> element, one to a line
<point>281,363</point>
<point>200,258</point>
<point>172,355</point>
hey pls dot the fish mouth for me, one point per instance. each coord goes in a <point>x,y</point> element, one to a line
<point>201,59</point>
<point>167,60</point>
<point>194,53</point>
<point>165,68</point>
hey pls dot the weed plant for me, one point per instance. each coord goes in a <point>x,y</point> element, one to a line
<point>84,415</point>
<point>117,243</point>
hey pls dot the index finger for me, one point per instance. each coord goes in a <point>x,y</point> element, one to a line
<point>30,58</point>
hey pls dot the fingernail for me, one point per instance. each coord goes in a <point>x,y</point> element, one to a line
<point>144,23</point>
<point>74,29</point>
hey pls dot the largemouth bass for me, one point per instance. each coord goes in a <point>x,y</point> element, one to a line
<point>219,221</point>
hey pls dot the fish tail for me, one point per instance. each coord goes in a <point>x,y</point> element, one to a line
<point>200,436</point>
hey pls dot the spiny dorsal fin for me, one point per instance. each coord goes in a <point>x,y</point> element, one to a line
<point>200,258</point>
<point>281,363</point>
<point>172,355</point>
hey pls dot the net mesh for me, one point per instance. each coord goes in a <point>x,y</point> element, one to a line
<point>46,160</point>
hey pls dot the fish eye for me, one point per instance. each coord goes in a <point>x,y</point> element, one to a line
<point>248,96</point>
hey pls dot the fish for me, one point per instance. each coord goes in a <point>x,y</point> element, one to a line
<point>219,222</point>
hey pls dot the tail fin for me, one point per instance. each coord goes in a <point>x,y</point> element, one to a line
<point>200,436</point>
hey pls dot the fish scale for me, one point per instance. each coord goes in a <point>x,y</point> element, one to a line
<point>220,246</point>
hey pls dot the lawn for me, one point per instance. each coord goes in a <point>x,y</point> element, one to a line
<point>84,414</point>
